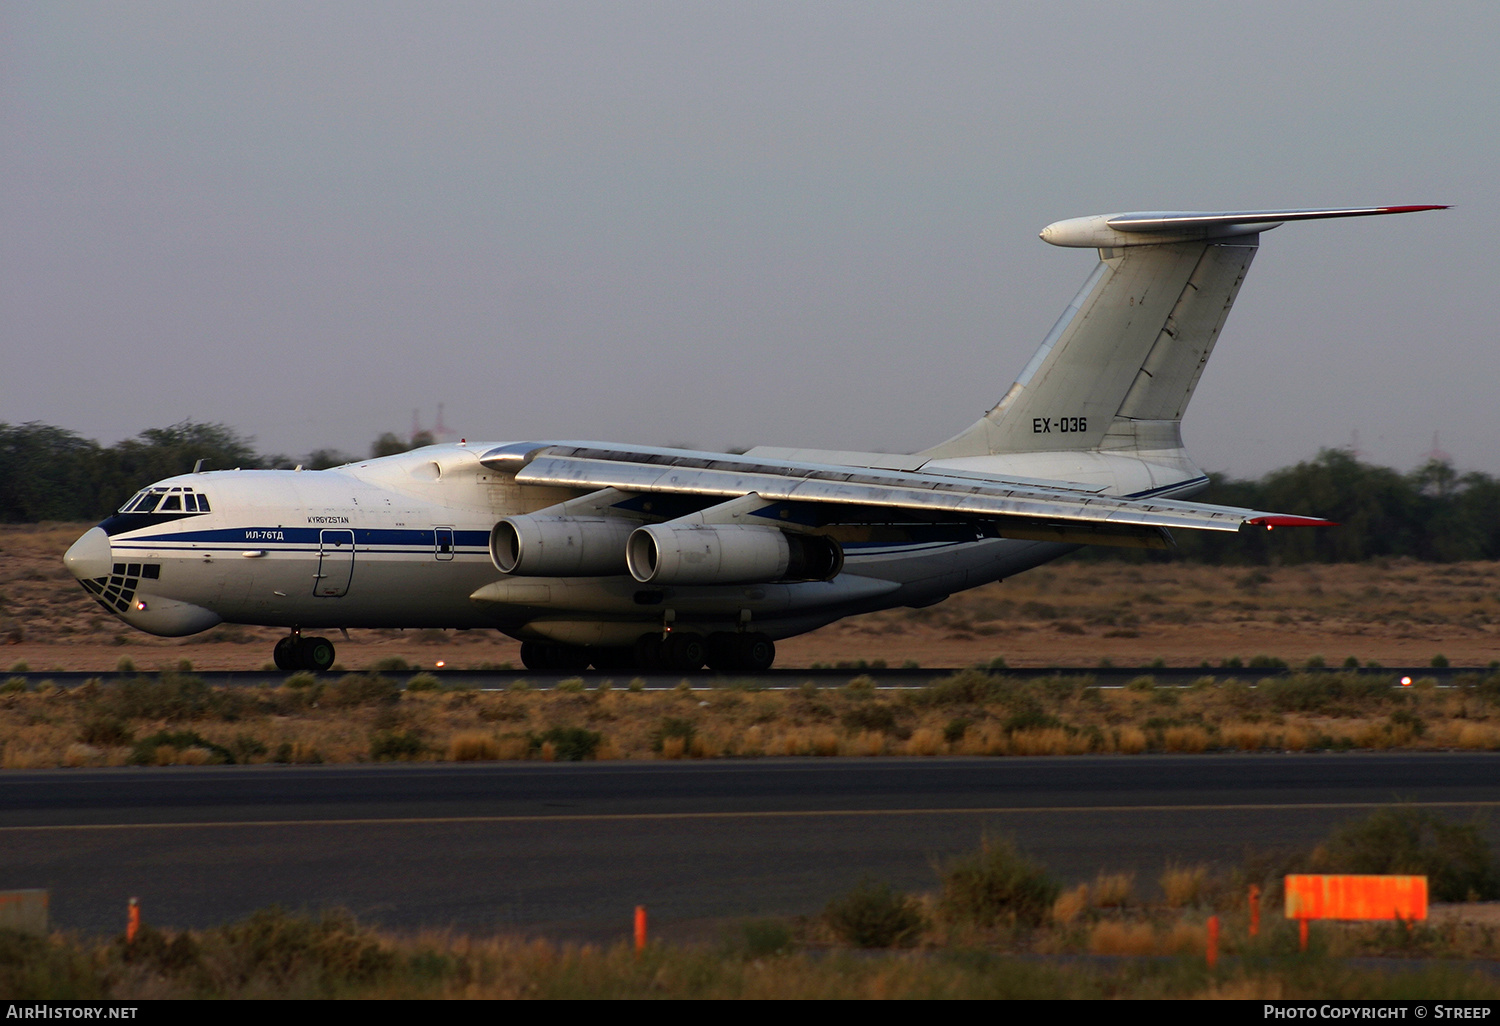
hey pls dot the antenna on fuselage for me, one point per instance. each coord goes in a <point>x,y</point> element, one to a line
<point>198,467</point>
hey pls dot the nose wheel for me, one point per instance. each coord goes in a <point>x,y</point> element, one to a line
<point>294,652</point>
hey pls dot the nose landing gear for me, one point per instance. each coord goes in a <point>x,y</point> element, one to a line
<point>294,652</point>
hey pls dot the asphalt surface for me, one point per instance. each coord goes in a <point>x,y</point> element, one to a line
<point>568,850</point>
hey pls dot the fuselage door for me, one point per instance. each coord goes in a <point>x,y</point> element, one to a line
<point>335,563</point>
<point>442,542</point>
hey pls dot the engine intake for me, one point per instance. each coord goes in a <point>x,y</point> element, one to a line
<point>691,554</point>
<point>536,546</point>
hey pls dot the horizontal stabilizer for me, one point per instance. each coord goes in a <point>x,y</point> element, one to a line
<point>1154,228</point>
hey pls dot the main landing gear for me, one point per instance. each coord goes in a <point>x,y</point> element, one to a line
<point>294,652</point>
<point>676,652</point>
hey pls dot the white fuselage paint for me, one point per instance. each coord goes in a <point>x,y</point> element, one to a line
<point>276,550</point>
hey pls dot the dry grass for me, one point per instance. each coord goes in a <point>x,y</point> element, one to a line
<point>1116,938</point>
<point>280,956</point>
<point>971,714</point>
<point>1113,890</point>
<point>1183,886</point>
<point>1070,905</point>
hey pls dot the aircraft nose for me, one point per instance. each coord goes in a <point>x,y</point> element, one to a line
<point>89,557</point>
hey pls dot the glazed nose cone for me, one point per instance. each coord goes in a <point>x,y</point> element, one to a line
<point>89,556</point>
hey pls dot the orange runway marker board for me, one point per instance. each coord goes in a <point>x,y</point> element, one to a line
<point>1311,896</point>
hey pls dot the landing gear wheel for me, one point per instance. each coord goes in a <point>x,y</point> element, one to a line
<point>545,655</point>
<point>755,652</point>
<point>285,654</point>
<point>682,652</point>
<point>315,654</point>
<point>719,652</point>
<point>613,660</point>
<point>534,655</point>
<point>648,656</point>
<point>570,658</point>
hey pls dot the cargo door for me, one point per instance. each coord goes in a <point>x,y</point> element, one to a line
<point>335,563</point>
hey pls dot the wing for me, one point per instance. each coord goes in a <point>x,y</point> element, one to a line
<point>1021,508</point>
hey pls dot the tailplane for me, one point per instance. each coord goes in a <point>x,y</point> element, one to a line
<point>1118,369</point>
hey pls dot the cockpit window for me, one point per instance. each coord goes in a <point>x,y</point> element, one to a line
<point>178,500</point>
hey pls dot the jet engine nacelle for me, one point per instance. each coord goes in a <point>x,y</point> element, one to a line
<point>536,546</point>
<point>694,554</point>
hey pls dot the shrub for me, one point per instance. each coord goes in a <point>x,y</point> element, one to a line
<point>106,732</point>
<point>570,744</point>
<point>424,682</point>
<point>967,687</point>
<point>145,751</point>
<point>873,915</point>
<point>877,716</point>
<point>1454,856</point>
<point>673,727</point>
<point>246,747</point>
<point>997,884</point>
<point>357,689</point>
<point>48,968</point>
<point>1030,718</point>
<point>396,744</point>
<point>327,952</point>
<point>1322,692</point>
<point>171,696</point>
<point>763,938</point>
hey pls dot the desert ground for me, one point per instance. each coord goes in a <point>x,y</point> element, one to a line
<point>1069,613</point>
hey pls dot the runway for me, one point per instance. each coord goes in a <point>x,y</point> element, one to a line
<point>568,850</point>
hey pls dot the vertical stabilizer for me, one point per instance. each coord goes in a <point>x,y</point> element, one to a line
<point>1118,369</point>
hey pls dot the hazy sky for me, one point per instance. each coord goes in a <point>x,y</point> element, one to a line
<point>728,224</point>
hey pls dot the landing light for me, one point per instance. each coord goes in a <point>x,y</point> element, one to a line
<point>140,605</point>
<point>1406,682</point>
<point>441,664</point>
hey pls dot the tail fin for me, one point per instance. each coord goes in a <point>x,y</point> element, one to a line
<point>1119,367</point>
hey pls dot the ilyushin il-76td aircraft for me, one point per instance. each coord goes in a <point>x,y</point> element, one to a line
<point>631,556</point>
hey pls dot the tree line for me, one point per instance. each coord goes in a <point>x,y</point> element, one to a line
<point>50,473</point>
<point>1434,513</point>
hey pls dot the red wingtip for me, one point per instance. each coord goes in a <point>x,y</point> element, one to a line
<point>1287,520</point>
<point>1408,210</point>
